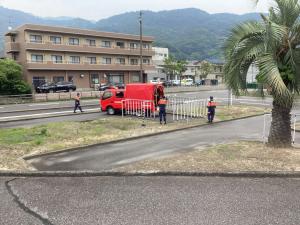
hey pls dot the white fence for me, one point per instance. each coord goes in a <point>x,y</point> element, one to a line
<point>180,108</point>
<point>137,107</point>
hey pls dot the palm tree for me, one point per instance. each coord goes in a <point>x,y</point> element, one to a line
<point>273,45</point>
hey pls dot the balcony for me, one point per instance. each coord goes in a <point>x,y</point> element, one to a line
<point>12,47</point>
<point>65,47</point>
<point>65,65</point>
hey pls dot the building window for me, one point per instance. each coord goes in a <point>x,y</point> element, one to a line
<point>134,61</point>
<point>37,58</point>
<point>116,78</point>
<point>106,44</point>
<point>73,41</point>
<point>13,39</point>
<point>146,61</point>
<point>91,60</point>
<point>75,59</point>
<point>56,58</point>
<point>38,81</point>
<point>95,78</point>
<point>36,38</point>
<point>120,61</point>
<point>120,44</point>
<point>70,79</point>
<point>146,46</point>
<point>91,42</point>
<point>14,55</point>
<point>58,79</point>
<point>133,45</point>
<point>106,60</point>
<point>135,78</point>
<point>55,40</point>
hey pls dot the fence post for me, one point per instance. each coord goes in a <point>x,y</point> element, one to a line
<point>294,133</point>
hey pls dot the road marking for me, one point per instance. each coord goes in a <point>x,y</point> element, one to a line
<point>44,114</point>
<point>54,103</point>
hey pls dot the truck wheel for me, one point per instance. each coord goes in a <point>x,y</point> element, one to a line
<point>110,111</point>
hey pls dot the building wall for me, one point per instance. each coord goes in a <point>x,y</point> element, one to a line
<point>81,77</point>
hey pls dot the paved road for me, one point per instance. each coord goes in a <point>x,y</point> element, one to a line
<point>150,200</point>
<point>105,157</point>
<point>34,122</point>
<point>45,105</point>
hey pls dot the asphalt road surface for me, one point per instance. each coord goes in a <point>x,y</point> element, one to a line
<point>150,200</point>
<point>109,156</point>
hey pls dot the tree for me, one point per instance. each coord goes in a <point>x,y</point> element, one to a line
<point>173,66</point>
<point>11,82</point>
<point>205,69</point>
<point>170,66</point>
<point>272,44</point>
<point>180,67</point>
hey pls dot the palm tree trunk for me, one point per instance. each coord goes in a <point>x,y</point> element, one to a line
<point>280,131</point>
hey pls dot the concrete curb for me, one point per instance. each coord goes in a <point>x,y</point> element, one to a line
<point>131,138</point>
<point>45,117</point>
<point>258,174</point>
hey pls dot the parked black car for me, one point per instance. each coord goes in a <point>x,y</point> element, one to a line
<point>108,86</point>
<point>56,87</point>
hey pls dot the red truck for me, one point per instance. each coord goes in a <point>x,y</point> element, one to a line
<point>137,96</point>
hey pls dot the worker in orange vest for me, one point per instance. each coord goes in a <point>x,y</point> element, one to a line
<point>211,109</point>
<point>77,103</point>
<point>162,104</point>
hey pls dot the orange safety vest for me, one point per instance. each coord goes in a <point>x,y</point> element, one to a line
<point>162,102</point>
<point>211,104</point>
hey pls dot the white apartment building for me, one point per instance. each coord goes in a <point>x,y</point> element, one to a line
<point>160,54</point>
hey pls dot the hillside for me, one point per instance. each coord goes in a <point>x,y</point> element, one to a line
<point>188,33</point>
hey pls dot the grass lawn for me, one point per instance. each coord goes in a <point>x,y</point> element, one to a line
<point>234,157</point>
<point>18,142</point>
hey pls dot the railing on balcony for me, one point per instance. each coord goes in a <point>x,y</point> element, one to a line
<point>82,65</point>
<point>86,45</point>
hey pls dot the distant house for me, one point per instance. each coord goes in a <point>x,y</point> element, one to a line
<point>196,72</point>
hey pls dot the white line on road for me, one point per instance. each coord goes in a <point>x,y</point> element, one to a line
<point>53,103</point>
<point>44,114</point>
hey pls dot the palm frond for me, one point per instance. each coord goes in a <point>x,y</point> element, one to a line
<point>270,74</point>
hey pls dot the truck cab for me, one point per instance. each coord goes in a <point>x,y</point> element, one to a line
<point>111,100</point>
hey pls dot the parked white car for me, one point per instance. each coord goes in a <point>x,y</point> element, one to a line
<point>187,82</point>
<point>175,82</point>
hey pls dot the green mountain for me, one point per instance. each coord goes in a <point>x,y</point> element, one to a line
<point>188,33</point>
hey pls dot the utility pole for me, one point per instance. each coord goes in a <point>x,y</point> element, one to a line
<point>141,45</point>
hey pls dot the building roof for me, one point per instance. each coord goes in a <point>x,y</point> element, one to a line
<point>76,31</point>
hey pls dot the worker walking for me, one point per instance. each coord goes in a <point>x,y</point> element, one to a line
<point>77,103</point>
<point>162,104</point>
<point>211,109</point>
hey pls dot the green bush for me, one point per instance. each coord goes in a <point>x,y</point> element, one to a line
<point>11,82</point>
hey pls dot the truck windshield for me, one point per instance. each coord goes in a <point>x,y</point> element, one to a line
<point>106,95</point>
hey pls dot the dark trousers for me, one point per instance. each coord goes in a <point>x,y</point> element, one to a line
<point>77,106</point>
<point>210,116</point>
<point>162,115</point>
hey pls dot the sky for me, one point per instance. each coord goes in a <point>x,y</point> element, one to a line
<point>99,9</point>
